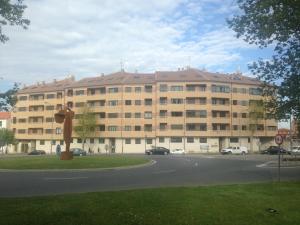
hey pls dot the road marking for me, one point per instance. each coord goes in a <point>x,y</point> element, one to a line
<point>64,178</point>
<point>164,171</point>
<point>264,164</point>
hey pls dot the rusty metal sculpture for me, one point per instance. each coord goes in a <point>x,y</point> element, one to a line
<point>65,116</point>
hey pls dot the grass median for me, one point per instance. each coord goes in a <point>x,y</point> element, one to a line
<point>215,205</point>
<point>83,162</point>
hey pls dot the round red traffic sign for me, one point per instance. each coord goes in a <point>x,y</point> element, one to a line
<point>278,139</point>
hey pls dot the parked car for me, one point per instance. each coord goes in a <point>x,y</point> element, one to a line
<point>78,152</point>
<point>272,150</point>
<point>157,151</point>
<point>235,150</point>
<point>37,152</point>
<point>178,151</point>
<point>294,150</point>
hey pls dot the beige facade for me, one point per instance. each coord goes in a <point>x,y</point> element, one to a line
<point>191,109</point>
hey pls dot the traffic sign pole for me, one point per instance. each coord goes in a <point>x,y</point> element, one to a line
<point>279,140</point>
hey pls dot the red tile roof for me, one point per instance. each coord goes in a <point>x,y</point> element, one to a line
<point>4,115</point>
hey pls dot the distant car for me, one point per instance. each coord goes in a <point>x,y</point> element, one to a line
<point>272,150</point>
<point>235,150</point>
<point>178,151</point>
<point>294,150</point>
<point>157,151</point>
<point>37,152</point>
<point>78,152</point>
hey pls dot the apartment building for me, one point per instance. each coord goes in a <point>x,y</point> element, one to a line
<point>191,109</point>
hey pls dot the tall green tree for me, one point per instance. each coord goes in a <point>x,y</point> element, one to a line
<point>8,99</point>
<point>85,124</point>
<point>274,24</point>
<point>11,13</point>
<point>7,137</point>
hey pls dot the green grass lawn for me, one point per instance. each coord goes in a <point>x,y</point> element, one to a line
<point>221,205</point>
<point>53,162</point>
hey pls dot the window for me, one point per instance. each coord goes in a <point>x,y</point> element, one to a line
<point>222,113</point>
<point>21,109</point>
<point>127,141</point>
<point>92,91</point>
<point>272,128</point>
<point>161,139</point>
<point>42,142</point>
<point>148,127</point>
<point>101,140</point>
<point>48,131</point>
<point>203,140</point>
<point>127,102</point>
<point>138,89</point>
<point>148,88</point>
<point>137,128</point>
<point>112,115</point>
<point>148,115</point>
<point>260,127</point>
<point>234,140</point>
<point>79,92</point>
<point>244,127</point>
<point>58,130</point>
<point>102,115</point>
<point>113,102</point>
<point>163,126</point>
<point>220,88</point>
<point>223,126</point>
<point>101,127</point>
<point>127,89</point>
<point>137,115</point>
<point>112,128</point>
<point>163,88</point>
<point>113,90</point>
<point>79,104</point>
<point>127,128</point>
<point>92,140</point>
<point>176,140</point>
<point>176,100</point>
<point>148,101</point>
<point>49,119</point>
<point>176,114</point>
<point>22,120</point>
<point>234,114</point>
<point>137,141</point>
<point>163,113</point>
<point>127,115</point>
<point>163,100</point>
<point>234,102</point>
<point>235,127</point>
<point>176,126</point>
<point>79,140</point>
<point>137,102</point>
<point>176,88</point>
<point>21,131</point>
<point>190,140</point>
<point>255,91</point>
<point>149,141</point>
<point>244,115</point>
<point>50,96</point>
<point>23,98</point>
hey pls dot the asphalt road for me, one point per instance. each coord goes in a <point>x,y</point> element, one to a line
<point>167,171</point>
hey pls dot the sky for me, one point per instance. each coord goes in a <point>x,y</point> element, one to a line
<point>91,37</point>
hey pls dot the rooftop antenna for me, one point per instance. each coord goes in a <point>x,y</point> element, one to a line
<point>189,62</point>
<point>122,65</point>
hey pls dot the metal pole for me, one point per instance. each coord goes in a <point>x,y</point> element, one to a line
<point>279,163</point>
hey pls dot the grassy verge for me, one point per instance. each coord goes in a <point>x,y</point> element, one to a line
<point>84,162</point>
<point>231,204</point>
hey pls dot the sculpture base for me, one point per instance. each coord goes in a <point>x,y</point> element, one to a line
<point>66,156</point>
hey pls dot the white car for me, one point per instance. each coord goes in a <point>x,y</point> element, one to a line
<point>177,151</point>
<point>294,151</point>
<point>235,150</point>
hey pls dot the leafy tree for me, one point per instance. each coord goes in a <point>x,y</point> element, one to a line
<point>274,23</point>
<point>8,99</point>
<point>6,137</point>
<point>12,14</point>
<point>86,124</point>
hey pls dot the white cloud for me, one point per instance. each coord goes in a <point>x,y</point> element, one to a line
<point>86,38</point>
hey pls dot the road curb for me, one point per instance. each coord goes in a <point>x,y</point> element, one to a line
<point>150,163</point>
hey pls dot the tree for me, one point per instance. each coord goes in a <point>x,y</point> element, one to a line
<point>6,137</point>
<point>86,124</point>
<point>8,99</point>
<point>12,14</point>
<point>274,23</point>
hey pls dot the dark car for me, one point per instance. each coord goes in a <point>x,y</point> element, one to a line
<point>78,152</point>
<point>37,152</point>
<point>157,151</point>
<point>272,150</point>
